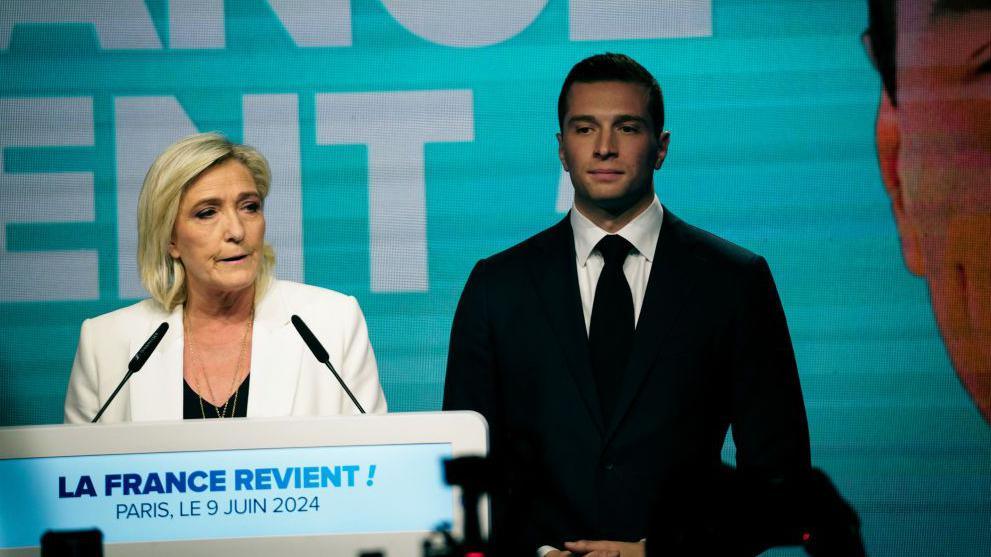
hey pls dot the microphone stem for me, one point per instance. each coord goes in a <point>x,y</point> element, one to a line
<point>112,396</point>
<point>346,389</point>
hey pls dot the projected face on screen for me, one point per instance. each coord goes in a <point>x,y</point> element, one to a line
<point>934,146</point>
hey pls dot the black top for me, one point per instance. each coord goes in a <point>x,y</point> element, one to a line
<point>191,409</point>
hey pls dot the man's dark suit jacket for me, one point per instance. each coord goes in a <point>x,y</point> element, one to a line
<point>711,350</point>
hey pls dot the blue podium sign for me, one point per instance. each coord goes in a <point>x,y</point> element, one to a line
<point>260,479</point>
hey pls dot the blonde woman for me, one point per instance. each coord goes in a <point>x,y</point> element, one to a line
<point>230,350</point>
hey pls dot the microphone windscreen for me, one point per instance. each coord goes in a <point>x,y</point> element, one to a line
<point>139,359</point>
<point>311,341</point>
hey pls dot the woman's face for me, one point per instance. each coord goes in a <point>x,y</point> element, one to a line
<point>220,231</point>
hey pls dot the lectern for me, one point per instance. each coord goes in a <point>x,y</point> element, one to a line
<point>245,487</point>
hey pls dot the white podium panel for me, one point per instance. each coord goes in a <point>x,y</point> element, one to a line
<point>313,486</point>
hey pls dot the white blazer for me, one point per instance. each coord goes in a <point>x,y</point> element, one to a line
<point>286,379</point>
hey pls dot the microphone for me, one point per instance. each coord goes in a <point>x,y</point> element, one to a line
<point>136,363</point>
<point>321,355</point>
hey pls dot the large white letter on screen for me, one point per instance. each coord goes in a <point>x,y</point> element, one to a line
<point>200,23</point>
<point>271,125</point>
<point>46,197</point>
<point>465,22</point>
<point>196,24</point>
<point>315,22</point>
<point>595,20</point>
<point>395,127</point>
<point>122,24</point>
<point>145,127</point>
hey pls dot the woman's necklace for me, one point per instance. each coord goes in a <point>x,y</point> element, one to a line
<point>234,388</point>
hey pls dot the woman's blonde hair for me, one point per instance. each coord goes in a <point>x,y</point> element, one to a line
<point>167,179</point>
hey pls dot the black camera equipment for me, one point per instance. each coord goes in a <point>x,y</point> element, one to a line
<point>473,475</point>
<point>72,543</point>
<point>729,512</point>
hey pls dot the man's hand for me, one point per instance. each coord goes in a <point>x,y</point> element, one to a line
<point>601,548</point>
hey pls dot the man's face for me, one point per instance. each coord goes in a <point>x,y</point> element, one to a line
<point>935,151</point>
<point>608,145</point>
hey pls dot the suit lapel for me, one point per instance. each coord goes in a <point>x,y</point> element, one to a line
<point>668,287</point>
<point>556,279</point>
<point>156,390</point>
<point>275,358</point>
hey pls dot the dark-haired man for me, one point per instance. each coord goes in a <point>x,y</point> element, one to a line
<point>934,147</point>
<point>611,352</point>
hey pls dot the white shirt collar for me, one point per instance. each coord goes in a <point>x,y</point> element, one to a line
<point>642,232</point>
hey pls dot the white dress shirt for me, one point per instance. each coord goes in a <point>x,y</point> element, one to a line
<point>642,232</point>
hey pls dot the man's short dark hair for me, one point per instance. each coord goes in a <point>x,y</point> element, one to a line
<point>882,32</point>
<point>614,67</point>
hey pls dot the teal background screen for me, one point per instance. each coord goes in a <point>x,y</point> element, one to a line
<point>410,139</point>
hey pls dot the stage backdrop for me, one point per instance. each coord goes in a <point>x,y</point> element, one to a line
<point>409,139</point>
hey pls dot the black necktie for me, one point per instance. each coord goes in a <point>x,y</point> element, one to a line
<point>610,333</point>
